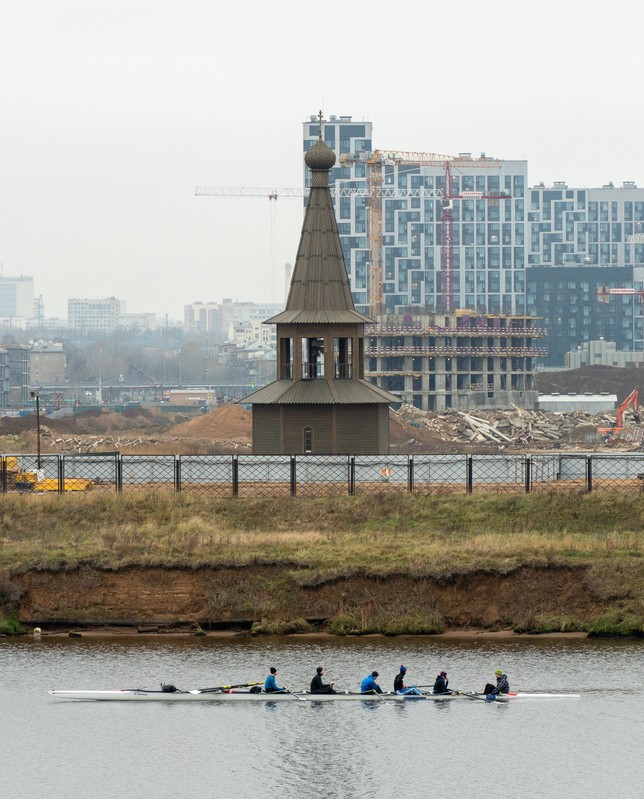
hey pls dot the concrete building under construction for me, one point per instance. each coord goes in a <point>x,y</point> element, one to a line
<point>460,360</point>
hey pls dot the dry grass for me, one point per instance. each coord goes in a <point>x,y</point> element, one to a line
<point>383,534</point>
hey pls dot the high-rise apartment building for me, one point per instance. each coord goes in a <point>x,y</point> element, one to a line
<point>488,208</point>
<point>503,229</point>
<point>569,226</point>
<point>16,297</point>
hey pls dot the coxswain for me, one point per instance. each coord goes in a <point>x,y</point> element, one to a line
<point>440,686</point>
<point>369,684</point>
<point>270,686</point>
<point>319,687</point>
<point>399,683</point>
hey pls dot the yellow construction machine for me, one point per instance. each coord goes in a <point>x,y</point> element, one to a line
<point>35,480</point>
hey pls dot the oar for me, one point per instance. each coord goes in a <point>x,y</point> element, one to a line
<point>301,698</point>
<point>473,696</point>
<point>380,696</point>
<point>224,687</point>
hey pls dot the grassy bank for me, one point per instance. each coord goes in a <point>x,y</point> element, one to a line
<point>379,535</point>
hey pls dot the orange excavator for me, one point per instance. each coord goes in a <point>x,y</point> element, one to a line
<point>631,400</point>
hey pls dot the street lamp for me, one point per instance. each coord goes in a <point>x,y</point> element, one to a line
<point>35,395</point>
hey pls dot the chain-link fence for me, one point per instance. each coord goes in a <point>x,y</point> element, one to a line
<point>439,474</point>
<point>615,473</point>
<point>377,474</point>
<point>317,476</point>
<point>205,474</point>
<point>263,475</point>
<point>323,475</point>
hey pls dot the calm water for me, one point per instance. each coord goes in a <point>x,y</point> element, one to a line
<point>586,748</point>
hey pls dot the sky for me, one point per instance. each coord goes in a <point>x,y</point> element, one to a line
<point>113,111</point>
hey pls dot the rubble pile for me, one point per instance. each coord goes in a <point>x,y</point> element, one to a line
<point>87,444</point>
<point>518,427</point>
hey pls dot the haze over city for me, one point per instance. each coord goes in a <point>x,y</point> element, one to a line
<point>114,112</point>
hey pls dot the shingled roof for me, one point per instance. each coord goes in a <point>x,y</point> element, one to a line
<point>320,292</point>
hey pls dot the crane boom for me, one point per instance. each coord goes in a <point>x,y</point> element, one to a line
<point>375,192</point>
<point>391,192</point>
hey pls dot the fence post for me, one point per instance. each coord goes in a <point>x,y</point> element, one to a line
<point>177,474</point>
<point>293,476</point>
<point>470,474</point>
<point>235,476</point>
<point>3,475</point>
<point>352,475</point>
<point>410,474</point>
<point>119,473</point>
<point>61,473</point>
<point>528,474</point>
<point>589,473</point>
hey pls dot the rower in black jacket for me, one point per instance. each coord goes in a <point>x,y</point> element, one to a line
<point>319,687</point>
<point>440,686</point>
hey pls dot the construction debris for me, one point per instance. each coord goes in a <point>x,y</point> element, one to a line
<point>519,428</point>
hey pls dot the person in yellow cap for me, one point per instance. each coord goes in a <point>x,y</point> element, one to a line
<point>502,685</point>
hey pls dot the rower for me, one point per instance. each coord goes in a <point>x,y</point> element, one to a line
<point>369,684</point>
<point>502,685</point>
<point>399,683</point>
<point>440,686</point>
<point>270,686</point>
<point>319,687</point>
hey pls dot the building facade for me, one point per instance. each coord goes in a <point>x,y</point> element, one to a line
<point>94,315</point>
<point>459,361</point>
<point>18,358</point>
<point>4,378</point>
<point>47,363</point>
<point>574,307</point>
<point>569,226</point>
<point>489,228</point>
<point>17,297</point>
<point>602,353</point>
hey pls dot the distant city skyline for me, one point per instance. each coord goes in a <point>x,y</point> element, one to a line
<point>115,111</point>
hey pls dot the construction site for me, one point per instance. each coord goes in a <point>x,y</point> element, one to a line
<point>228,429</point>
<point>456,361</point>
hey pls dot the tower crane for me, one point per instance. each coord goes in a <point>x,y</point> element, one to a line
<point>375,163</point>
<point>376,191</point>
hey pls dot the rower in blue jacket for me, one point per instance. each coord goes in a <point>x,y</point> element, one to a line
<point>270,686</point>
<point>369,684</point>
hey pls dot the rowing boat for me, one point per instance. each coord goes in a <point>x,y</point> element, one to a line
<point>143,695</point>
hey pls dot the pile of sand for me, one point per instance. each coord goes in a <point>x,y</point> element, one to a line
<point>230,423</point>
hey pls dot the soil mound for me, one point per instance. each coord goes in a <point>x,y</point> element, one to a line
<point>595,379</point>
<point>230,422</point>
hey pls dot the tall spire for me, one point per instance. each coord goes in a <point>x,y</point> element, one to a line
<point>320,290</point>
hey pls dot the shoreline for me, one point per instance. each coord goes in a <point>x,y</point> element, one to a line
<point>110,632</point>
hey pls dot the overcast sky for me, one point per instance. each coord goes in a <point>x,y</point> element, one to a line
<point>112,111</point>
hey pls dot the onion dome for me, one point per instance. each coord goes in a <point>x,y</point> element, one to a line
<point>320,157</point>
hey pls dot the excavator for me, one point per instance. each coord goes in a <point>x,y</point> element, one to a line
<point>631,400</point>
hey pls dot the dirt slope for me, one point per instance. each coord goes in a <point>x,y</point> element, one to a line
<point>594,379</point>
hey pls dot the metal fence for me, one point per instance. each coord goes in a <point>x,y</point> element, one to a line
<point>316,475</point>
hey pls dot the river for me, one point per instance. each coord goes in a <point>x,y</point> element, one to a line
<point>573,748</point>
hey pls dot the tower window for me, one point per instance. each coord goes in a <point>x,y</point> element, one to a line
<point>308,440</point>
